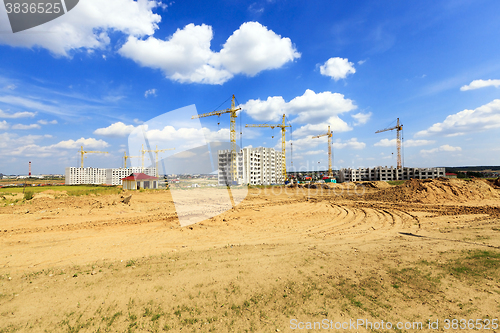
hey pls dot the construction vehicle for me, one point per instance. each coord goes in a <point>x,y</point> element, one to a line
<point>398,128</point>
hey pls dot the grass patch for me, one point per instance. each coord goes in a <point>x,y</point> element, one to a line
<point>75,190</point>
<point>395,182</point>
<point>475,264</point>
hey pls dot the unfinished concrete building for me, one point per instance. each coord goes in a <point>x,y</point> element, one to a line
<point>388,173</point>
<point>96,176</point>
<point>255,166</point>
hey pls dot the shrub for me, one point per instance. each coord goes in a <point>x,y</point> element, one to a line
<point>28,195</point>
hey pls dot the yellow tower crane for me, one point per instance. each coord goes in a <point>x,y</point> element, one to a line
<point>153,151</point>
<point>283,142</point>
<point>83,152</point>
<point>232,111</point>
<point>329,134</point>
<point>398,128</point>
<point>125,157</point>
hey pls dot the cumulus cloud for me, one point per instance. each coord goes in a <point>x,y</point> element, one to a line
<point>352,143</point>
<point>477,84</point>
<point>25,127</point>
<point>4,114</point>
<point>87,26</point>
<point>337,68</point>
<point>337,125</point>
<point>361,118</point>
<point>485,117</point>
<point>76,144</point>
<point>310,108</point>
<point>186,56</point>
<point>150,92</point>
<point>406,143</point>
<point>309,144</point>
<point>4,125</point>
<point>117,129</point>
<point>443,148</point>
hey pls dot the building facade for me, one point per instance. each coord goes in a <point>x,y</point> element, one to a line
<point>388,173</point>
<point>255,166</point>
<point>96,176</point>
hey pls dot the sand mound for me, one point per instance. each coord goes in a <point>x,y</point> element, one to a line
<point>437,191</point>
<point>375,184</point>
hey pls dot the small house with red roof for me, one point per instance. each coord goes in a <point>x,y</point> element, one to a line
<point>451,175</point>
<point>136,181</point>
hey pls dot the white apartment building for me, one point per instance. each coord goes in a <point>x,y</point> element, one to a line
<point>75,176</point>
<point>255,166</point>
<point>391,173</point>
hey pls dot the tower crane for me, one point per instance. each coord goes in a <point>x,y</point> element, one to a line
<point>398,128</point>
<point>153,151</point>
<point>83,152</point>
<point>232,111</point>
<point>125,157</point>
<point>329,134</point>
<point>283,127</point>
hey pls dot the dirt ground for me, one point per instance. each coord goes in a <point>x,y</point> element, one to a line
<point>281,260</point>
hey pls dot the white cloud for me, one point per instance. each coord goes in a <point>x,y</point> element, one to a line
<point>4,114</point>
<point>308,143</point>
<point>310,108</point>
<point>25,127</point>
<point>150,92</point>
<point>337,125</point>
<point>118,129</point>
<point>186,56</point>
<point>443,148</point>
<point>361,118</point>
<point>4,125</point>
<point>351,144</point>
<point>31,104</point>
<point>46,122</point>
<point>361,62</point>
<point>86,26</point>
<point>483,118</point>
<point>11,87</point>
<point>337,68</point>
<point>86,143</point>
<point>406,143</point>
<point>477,84</point>
<point>314,152</point>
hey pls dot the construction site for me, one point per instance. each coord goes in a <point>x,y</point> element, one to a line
<point>411,253</point>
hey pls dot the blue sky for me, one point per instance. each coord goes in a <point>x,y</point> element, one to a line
<point>98,72</point>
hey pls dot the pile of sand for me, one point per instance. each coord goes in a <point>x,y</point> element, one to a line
<point>375,184</point>
<point>437,191</point>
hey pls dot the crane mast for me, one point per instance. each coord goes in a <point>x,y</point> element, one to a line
<point>283,127</point>
<point>156,151</point>
<point>398,128</point>
<point>329,134</point>
<point>125,157</point>
<point>233,115</point>
<point>83,152</point>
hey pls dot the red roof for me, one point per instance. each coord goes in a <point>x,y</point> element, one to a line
<point>139,176</point>
<point>451,174</point>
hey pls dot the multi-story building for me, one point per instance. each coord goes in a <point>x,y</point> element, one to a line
<point>255,166</point>
<point>385,174</point>
<point>96,176</point>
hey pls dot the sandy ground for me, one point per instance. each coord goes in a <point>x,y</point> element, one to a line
<point>93,263</point>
